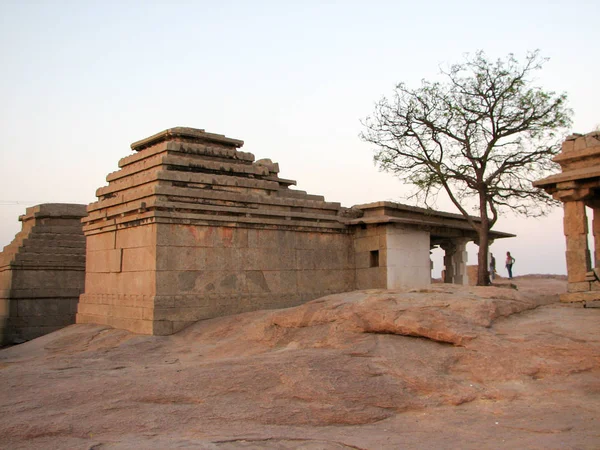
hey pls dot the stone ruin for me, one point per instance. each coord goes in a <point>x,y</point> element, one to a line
<point>191,228</point>
<point>578,187</point>
<point>42,272</point>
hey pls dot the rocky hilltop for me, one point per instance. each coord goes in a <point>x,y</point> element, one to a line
<point>441,367</point>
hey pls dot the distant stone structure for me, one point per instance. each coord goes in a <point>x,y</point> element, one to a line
<point>578,186</point>
<point>42,272</point>
<point>191,228</point>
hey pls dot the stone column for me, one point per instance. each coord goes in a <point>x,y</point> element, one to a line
<point>460,262</point>
<point>578,254</point>
<point>449,251</point>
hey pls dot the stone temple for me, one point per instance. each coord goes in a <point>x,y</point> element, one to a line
<point>42,272</point>
<point>191,228</point>
<point>578,187</point>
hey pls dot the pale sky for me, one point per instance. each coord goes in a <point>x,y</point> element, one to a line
<point>81,80</point>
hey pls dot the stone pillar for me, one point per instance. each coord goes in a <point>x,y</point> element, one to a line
<point>449,251</point>
<point>460,262</point>
<point>578,254</point>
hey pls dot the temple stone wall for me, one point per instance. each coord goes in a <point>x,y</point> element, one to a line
<point>370,255</point>
<point>191,228</point>
<point>198,272</point>
<point>42,272</point>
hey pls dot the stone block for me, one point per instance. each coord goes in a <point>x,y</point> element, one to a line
<point>568,145</point>
<point>137,259</point>
<point>140,236</point>
<point>412,277</point>
<point>577,243</point>
<point>272,259</point>
<point>269,239</point>
<point>136,283</point>
<point>578,265</point>
<point>582,286</point>
<point>133,325</point>
<point>48,279</point>
<point>230,237</point>
<point>371,278</point>
<point>363,260</point>
<point>182,258</point>
<point>330,259</point>
<point>93,310</point>
<point>367,244</point>
<point>199,282</point>
<point>179,235</point>
<point>101,241</point>
<point>328,281</point>
<point>575,221</point>
<point>580,143</point>
<point>20,322</point>
<point>4,307</point>
<point>579,297</point>
<point>307,241</point>
<point>226,258</point>
<point>104,261</point>
<point>258,281</point>
<point>285,239</point>
<point>43,307</point>
<point>289,281</point>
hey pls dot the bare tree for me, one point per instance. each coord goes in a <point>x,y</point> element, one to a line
<point>483,134</point>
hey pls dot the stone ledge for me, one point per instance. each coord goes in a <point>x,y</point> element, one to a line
<point>194,135</point>
<point>209,219</point>
<point>206,151</point>
<point>54,210</point>
<point>580,297</point>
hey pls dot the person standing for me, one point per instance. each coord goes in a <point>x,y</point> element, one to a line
<point>509,263</point>
<point>492,266</point>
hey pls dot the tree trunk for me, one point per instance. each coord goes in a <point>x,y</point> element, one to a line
<point>483,275</point>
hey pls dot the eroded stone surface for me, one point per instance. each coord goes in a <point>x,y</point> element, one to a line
<point>465,367</point>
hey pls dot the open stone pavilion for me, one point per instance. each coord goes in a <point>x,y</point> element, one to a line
<point>578,187</point>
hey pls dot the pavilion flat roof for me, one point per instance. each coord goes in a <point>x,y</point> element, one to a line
<point>390,212</point>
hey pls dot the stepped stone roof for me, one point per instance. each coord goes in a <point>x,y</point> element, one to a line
<point>439,223</point>
<point>580,164</point>
<point>185,175</point>
<point>51,238</point>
